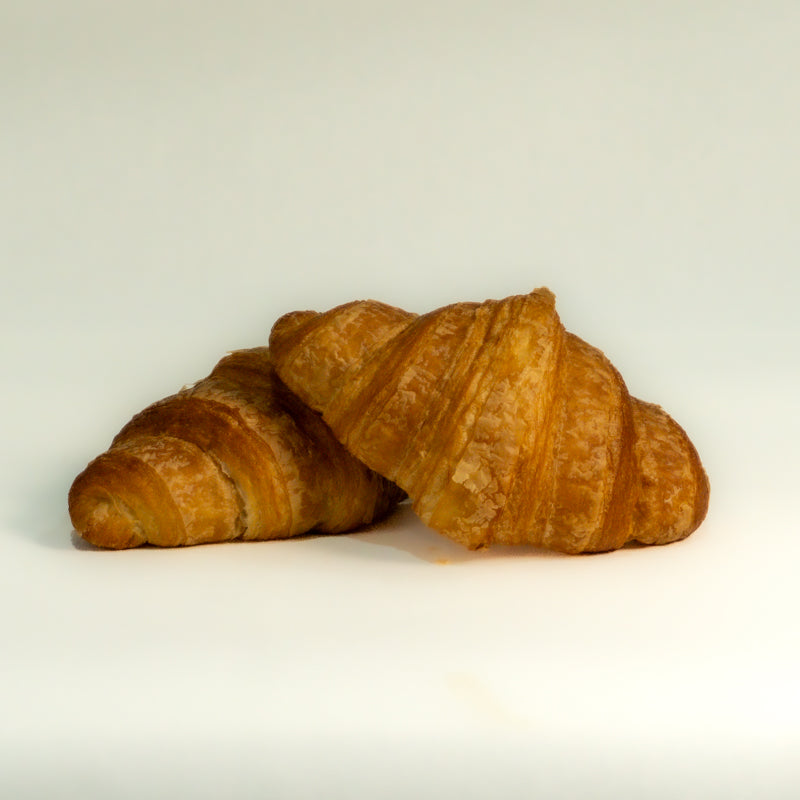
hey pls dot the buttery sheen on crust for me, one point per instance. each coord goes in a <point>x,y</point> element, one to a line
<point>501,426</point>
<point>237,455</point>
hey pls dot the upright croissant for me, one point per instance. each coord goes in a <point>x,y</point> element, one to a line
<point>500,425</point>
<point>234,456</point>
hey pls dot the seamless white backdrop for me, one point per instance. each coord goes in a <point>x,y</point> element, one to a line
<point>177,175</point>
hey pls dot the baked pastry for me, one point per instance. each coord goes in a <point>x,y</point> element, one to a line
<point>501,426</point>
<point>236,456</point>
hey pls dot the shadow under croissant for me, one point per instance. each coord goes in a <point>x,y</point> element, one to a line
<point>404,532</point>
<point>79,543</point>
<point>401,533</point>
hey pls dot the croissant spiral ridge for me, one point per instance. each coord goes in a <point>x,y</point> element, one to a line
<point>234,456</point>
<point>501,426</point>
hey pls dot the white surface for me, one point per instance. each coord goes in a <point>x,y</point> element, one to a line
<point>175,176</point>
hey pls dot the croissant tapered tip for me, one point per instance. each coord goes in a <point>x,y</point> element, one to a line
<point>674,493</point>
<point>101,521</point>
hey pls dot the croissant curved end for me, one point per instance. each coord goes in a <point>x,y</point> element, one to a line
<point>674,493</point>
<point>103,522</point>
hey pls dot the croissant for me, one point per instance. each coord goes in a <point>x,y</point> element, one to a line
<point>501,426</point>
<point>236,456</point>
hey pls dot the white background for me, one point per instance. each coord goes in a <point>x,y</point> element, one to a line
<point>176,175</point>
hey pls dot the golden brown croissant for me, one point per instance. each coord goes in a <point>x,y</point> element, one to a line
<point>500,425</point>
<point>234,456</point>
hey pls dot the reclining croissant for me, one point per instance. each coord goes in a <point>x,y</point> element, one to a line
<point>501,426</point>
<point>236,456</point>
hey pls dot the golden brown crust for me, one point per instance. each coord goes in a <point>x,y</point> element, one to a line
<point>500,425</point>
<point>237,455</point>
